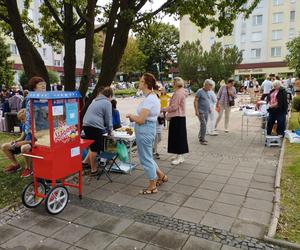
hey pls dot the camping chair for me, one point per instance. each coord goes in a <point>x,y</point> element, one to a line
<point>110,161</point>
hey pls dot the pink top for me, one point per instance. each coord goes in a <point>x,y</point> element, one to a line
<point>274,97</point>
<point>177,104</point>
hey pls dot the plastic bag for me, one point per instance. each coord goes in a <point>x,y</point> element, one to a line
<point>122,151</point>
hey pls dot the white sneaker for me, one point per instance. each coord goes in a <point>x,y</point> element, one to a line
<point>177,161</point>
<point>226,131</point>
<point>214,133</point>
<point>174,157</point>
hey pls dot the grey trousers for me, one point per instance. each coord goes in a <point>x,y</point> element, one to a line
<point>203,122</point>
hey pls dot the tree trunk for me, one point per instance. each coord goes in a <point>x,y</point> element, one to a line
<point>89,49</point>
<point>32,61</point>
<point>70,49</point>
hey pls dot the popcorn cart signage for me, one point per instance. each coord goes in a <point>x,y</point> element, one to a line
<point>56,148</point>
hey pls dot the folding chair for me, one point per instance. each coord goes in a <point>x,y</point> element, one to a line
<point>106,168</point>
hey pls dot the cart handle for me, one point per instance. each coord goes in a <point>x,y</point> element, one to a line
<point>34,156</point>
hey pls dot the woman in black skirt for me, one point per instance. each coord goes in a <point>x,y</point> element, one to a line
<point>177,140</point>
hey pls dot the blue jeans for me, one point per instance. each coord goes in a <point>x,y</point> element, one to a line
<point>145,136</point>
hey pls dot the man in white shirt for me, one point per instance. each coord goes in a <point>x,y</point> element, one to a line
<point>266,87</point>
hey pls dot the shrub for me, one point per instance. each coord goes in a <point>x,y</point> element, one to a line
<point>125,92</point>
<point>296,103</point>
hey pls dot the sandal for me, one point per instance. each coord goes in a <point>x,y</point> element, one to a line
<point>162,180</point>
<point>94,173</point>
<point>149,191</point>
<point>85,165</point>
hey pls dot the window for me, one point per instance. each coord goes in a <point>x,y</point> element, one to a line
<point>243,53</point>
<point>244,25</point>
<point>56,62</point>
<point>243,37</point>
<point>276,34</point>
<point>13,49</point>
<point>277,17</point>
<point>255,53</point>
<point>276,51</point>
<point>291,33</point>
<point>277,2</point>
<point>256,36</point>
<point>211,40</point>
<point>44,51</point>
<point>257,20</point>
<point>292,16</point>
<point>292,1</point>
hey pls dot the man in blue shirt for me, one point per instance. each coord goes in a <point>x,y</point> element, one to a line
<point>202,108</point>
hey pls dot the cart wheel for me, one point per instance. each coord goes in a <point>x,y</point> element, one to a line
<point>57,200</point>
<point>28,196</point>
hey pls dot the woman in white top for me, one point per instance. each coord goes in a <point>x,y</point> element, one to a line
<point>145,131</point>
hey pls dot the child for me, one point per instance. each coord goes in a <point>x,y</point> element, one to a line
<point>159,123</point>
<point>116,121</point>
<point>164,101</point>
<point>21,145</point>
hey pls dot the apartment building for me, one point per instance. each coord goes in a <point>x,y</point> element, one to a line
<point>262,37</point>
<point>53,60</point>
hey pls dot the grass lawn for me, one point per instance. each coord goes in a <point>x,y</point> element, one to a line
<point>11,185</point>
<point>289,221</point>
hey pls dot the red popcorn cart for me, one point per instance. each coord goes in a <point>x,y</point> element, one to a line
<point>56,149</point>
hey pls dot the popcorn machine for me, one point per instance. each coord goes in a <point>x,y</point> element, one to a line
<point>56,149</point>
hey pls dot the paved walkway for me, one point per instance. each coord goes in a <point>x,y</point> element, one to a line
<point>219,198</point>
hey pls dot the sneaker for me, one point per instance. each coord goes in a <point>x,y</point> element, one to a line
<point>177,161</point>
<point>214,133</point>
<point>156,155</point>
<point>203,142</point>
<point>12,168</point>
<point>174,157</point>
<point>26,172</point>
<point>226,131</point>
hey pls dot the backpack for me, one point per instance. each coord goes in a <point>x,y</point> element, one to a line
<point>250,84</point>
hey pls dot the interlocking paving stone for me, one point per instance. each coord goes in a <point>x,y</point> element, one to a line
<point>222,172</point>
<point>91,218</point>
<point>224,247</point>
<point>191,181</point>
<point>7,232</point>
<point>197,175</point>
<point>260,194</point>
<point>255,216</point>
<point>248,228</point>
<point>96,240</point>
<point>141,203</point>
<point>71,212</point>
<point>114,225</point>
<point>50,244</point>
<point>26,239</point>
<point>153,247</point>
<point>195,243</point>
<point>264,178</point>
<point>189,214</point>
<point>206,194</point>
<point>124,243</point>
<point>217,178</point>
<point>262,186</point>
<point>119,198</point>
<point>48,226</point>
<point>217,221</point>
<point>239,182</point>
<point>100,194</point>
<point>174,178</point>
<point>26,221</point>
<point>141,232</point>
<point>198,203</point>
<point>183,189</point>
<point>163,209</point>
<point>174,198</point>
<point>242,175</point>
<point>212,185</point>
<point>258,204</point>
<point>231,199</point>
<point>178,172</point>
<point>71,233</point>
<point>169,239</point>
<point>224,209</point>
<point>233,189</point>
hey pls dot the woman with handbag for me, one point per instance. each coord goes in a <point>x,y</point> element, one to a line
<point>225,100</point>
<point>145,131</point>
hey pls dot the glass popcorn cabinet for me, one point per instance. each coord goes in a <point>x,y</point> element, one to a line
<point>56,149</point>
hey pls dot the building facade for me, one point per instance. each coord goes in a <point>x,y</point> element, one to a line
<point>53,60</point>
<point>262,37</point>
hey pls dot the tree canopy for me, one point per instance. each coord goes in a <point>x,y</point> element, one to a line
<point>197,65</point>
<point>159,42</point>
<point>6,73</point>
<point>133,59</point>
<point>293,57</point>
